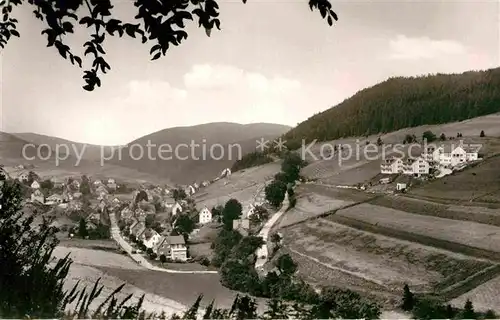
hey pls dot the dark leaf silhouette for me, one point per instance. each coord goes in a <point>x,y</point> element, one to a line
<point>161,22</point>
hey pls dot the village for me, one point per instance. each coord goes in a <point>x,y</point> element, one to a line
<point>156,221</point>
<point>434,162</point>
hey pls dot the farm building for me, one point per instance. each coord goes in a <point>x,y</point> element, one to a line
<point>205,216</point>
<point>451,155</point>
<point>35,185</point>
<point>150,238</point>
<point>23,176</point>
<point>37,196</point>
<point>401,186</point>
<point>173,247</point>
<point>55,198</point>
<point>242,226</point>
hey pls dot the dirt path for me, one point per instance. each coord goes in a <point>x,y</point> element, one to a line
<point>262,252</point>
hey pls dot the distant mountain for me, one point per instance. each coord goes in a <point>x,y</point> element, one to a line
<point>189,165</point>
<point>11,147</point>
<point>399,103</point>
<point>91,152</point>
<point>45,164</point>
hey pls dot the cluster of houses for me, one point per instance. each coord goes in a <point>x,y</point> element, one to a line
<point>193,188</point>
<point>433,157</point>
<point>70,190</point>
<point>172,246</point>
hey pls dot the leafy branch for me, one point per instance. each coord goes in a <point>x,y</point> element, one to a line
<point>161,22</point>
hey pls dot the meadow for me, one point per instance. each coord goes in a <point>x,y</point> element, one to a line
<point>385,261</point>
<point>467,233</point>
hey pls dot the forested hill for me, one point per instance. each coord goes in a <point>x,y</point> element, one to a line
<point>404,102</point>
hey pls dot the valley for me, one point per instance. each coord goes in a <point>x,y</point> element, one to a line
<point>351,226</point>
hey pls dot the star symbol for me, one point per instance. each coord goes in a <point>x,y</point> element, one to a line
<point>262,144</point>
<point>280,144</point>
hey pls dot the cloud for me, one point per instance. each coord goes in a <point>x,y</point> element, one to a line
<point>405,48</point>
<point>206,76</point>
<point>149,91</point>
<point>211,93</point>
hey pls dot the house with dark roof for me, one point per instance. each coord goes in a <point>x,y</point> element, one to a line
<point>137,228</point>
<point>173,247</point>
<point>150,238</point>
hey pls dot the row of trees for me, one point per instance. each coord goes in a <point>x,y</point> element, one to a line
<point>284,180</point>
<point>252,159</point>
<point>235,256</point>
<point>404,102</point>
<point>433,308</point>
<point>100,231</point>
<point>429,136</point>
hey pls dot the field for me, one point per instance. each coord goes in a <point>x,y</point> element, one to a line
<point>183,288</point>
<point>88,275</point>
<point>239,180</point>
<point>242,185</point>
<point>161,288</point>
<point>479,184</point>
<point>310,206</point>
<point>380,260</point>
<point>383,260</point>
<point>315,200</point>
<point>104,245</point>
<point>335,193</point>
<point>467,233</point>
<point>486,296</point>
<point>96,258</point>
<point>448,211</point>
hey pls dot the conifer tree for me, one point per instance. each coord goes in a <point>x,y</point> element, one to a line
<point>408,299</point>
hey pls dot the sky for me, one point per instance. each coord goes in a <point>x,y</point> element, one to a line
<point>273,61</point>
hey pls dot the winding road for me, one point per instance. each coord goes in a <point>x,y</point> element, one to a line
<point>139,258</point>
<point>263,253</point>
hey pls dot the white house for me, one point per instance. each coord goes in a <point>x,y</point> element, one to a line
<point>205,216</point>
<point>250,210</point>
<point>23,176</point>
<point>37,196</point>
<point>401,186</point>
<point>173,247</point>
<point>35,185</point>
<point>55,198</point>
<point>190,190</point>
<point>177,208</point>
<point>225,173</point>
<point>196,186</point>
<point>97,183</point>
<point>76,184</point>
<point>450,155</point>
<point>392,165</point>
<point>112,184</point>
<point>151,238</point>
<point>416,166</point>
